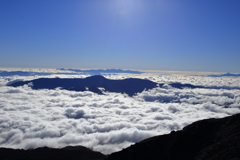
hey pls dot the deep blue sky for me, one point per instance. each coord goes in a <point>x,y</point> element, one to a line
<point>194,35</point>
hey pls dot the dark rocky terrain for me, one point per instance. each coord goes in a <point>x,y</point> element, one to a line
<point>67,153</point>
<point>212,139</point>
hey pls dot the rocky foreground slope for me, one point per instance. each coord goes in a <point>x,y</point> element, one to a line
<point>211,139</point>
<point>45,153</point>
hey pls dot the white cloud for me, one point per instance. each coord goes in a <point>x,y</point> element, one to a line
<point>107,123</point>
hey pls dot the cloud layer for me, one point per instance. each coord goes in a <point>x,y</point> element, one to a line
<point>107,123</point>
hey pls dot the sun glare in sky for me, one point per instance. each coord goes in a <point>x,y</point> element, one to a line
<point>128,34</point>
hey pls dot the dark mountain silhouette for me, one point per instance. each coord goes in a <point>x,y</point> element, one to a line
<point>225,75</point>
<point>67,153</point>
<point>203,140</point>
<point>181,86</point>
<point>129,86</point>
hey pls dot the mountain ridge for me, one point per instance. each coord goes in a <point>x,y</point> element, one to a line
<point>66,153</point>
<point>205,139</point>
<point>130,86</point>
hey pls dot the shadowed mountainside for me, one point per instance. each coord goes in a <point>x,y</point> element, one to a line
<point>225,75</point>
<point>129,86</point>
<point>203,140</point>
<point>67,153</point>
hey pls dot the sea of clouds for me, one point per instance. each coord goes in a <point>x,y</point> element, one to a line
<point>107,123</point>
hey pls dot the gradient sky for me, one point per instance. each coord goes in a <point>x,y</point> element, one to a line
<point>185,35</point>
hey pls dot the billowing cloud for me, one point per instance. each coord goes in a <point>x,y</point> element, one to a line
<point>107,123</point>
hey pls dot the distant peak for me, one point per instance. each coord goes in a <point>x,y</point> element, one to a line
<point>96,76</point>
